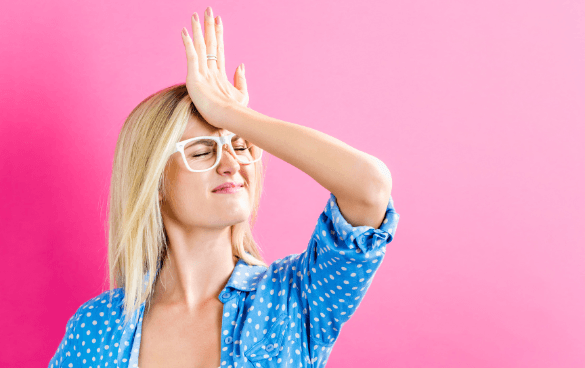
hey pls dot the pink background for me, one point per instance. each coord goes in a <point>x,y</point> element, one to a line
<point>475,106</point>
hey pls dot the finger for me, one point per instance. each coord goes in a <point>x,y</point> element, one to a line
<point>210,40</point>
<point>192,60</point>
<point>220,49</point>
<point>199,42</point>
<point>240,82</point>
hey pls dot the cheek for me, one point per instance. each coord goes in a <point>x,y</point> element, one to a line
<point>188,201</point>
<point>250,178</point>
<point>183,185</point>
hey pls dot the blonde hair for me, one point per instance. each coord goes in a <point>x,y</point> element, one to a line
<point>137,239</point>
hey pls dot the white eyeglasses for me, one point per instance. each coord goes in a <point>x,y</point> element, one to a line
<point>204,153</point>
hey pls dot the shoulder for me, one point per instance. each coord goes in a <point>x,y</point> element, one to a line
<point>102,300</point>
<point>108,302</point>
<point>278,275</point>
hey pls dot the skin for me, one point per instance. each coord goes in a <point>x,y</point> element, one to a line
<point>198,225</point>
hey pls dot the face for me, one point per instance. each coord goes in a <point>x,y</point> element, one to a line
<point>190,201</point>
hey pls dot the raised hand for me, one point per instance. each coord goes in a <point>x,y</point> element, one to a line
<point>207,82</point>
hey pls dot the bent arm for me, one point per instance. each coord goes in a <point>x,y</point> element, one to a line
<point>360,182</point>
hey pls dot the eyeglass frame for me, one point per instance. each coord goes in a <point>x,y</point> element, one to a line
<point>221,140</point>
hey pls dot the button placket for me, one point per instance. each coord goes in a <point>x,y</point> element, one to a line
<point>227,324</point>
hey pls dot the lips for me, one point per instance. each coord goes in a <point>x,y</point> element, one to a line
<point>228,185</point>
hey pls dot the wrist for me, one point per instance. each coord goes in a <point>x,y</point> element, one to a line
<point>231,114</point>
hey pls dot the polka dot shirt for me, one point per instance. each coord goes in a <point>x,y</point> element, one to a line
<point>287,315</point>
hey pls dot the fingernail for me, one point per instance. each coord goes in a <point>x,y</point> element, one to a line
<point>243,68</point>
<point>208,11</point>
<point>184,31</point>
<point>217,20</point>
<point>196,17</point>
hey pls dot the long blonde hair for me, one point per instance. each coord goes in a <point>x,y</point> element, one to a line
<point>137,239</point>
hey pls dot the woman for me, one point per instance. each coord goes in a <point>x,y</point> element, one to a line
<point>193,290</point>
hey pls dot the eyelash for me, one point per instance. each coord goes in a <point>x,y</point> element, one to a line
<point>206,153</point>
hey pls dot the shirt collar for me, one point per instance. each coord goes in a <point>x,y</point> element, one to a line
<point>245,277</point>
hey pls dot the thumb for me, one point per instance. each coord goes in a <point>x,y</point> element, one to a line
<point>240,80</point>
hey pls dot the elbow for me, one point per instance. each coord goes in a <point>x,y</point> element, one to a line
<point>381,184</point>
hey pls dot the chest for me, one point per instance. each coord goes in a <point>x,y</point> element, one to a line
<point>170,339</point>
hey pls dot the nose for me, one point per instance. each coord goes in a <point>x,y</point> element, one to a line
<point>226,148</point>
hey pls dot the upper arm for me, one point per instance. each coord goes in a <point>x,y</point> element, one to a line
<point>339,264</point>
<point>65,353</point>
<point>364,214</point>
<point>370,212</point>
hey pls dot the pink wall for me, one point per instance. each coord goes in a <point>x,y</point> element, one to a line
<point>475,106</point>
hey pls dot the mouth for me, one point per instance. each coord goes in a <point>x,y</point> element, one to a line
<point>230,189</point>
<point>224,187</point>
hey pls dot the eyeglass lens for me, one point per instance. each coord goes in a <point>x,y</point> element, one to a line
<point>201,154</point>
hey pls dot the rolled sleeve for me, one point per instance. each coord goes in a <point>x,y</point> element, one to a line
<point>365,238</point>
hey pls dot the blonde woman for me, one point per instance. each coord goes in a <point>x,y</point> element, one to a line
<point>189,287</point>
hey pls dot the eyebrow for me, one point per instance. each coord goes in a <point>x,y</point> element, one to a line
<point>209,142</point>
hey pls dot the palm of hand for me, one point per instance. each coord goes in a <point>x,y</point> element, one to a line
<point>207,82</point>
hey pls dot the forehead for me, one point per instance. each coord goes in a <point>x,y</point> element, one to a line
<point>199,128</point>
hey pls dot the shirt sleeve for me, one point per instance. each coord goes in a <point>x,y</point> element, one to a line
<point>65,356</point>
<point>337,268</point>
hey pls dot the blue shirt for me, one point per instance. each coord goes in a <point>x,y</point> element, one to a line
<point>287,315</point>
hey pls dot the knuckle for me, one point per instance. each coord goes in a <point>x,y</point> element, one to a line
<point>211,43</point>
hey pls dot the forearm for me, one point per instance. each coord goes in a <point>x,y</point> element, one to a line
<point>343,170</point>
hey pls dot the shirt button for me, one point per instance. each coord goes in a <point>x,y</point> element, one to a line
<point>227,295</point>
<point>269,347</point>
<point>228,340</point>
<point>361,240</point>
